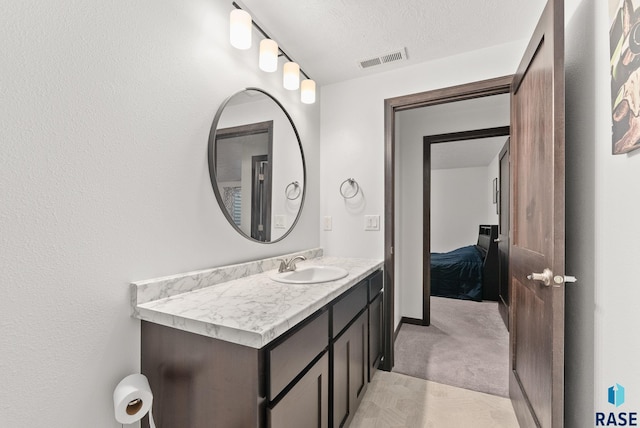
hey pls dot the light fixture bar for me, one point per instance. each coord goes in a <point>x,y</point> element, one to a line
<point>264,33</point>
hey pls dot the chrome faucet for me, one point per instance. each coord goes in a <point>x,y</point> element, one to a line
<point>289,265</point>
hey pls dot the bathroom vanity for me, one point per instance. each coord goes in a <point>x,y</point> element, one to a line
<point>232,347</point>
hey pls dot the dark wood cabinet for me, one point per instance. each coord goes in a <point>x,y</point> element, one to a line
<point>312,376</point>
<point>307,403</point>
<point>350,370</point>
<point>375,335</point>
<point>348,307</point>
<point>289,355</point>
<point>376,338</point>
<point>198,381</point>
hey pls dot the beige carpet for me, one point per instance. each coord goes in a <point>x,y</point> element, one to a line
<point>466,345</point>
<point>399,401</point>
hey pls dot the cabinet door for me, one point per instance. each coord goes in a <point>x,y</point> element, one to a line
<point>307,403</point>
<point>350,370</point>
<point>375,334</point>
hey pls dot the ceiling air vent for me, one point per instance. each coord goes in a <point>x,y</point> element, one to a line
<point>383,59</point>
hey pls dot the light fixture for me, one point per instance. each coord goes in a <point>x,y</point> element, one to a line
<point>240,29</point>
<point>308,91</point>
<point>268,55</point>
<point>291,76</point>
<point>241,25</point>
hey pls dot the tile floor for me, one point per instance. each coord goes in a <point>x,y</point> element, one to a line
<point>396,400</point>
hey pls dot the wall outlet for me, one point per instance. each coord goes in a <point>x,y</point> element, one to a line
<point>372,222</point>
<point>327,223</point>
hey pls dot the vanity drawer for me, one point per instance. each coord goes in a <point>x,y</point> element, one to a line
<point>375,285</point>
<point>348,307</point>
<point>289,358</point>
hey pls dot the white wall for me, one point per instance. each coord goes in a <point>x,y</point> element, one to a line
<point>602,229</point>
<point>352,145</point>
<point>459,205</point>
<point>105,116</point>
<point>352,136</point>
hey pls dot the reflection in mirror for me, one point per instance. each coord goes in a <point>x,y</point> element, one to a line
<point>256,165</point>
<point>242,155</point>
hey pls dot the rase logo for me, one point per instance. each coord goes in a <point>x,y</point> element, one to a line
<point>615,397</point>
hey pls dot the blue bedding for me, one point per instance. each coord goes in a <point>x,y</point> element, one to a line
<point>458,273</point>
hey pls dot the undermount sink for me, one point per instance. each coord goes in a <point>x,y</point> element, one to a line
<point>310,275</point>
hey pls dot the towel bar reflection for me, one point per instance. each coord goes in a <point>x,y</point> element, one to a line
<point>289,189</point>
<point>353,184</point>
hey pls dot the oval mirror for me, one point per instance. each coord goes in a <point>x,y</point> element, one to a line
<point>256,165</point>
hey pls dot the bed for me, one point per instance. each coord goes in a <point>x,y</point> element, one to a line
<point>470,272</point>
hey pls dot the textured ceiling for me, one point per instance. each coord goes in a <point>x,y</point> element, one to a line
<point>329,37</point>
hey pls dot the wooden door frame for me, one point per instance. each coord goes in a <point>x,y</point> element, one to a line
<point>503,234</point>
<point>428,140</point>
<point>495,86</point>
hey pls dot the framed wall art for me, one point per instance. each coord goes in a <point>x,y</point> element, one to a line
<point>624,38</point>
<point>495,190</point>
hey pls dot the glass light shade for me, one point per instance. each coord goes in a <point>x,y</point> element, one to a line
<point>240,29</point>
<point>308,91</point>
<point>268,55</point>
<point>291,76</point>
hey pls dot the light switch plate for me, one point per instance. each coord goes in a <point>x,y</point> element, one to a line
<point>371,222</point>
<point>279,222</point>
<point>327,223</point>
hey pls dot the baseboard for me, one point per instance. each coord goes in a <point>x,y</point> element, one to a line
<point>406,320</point>
<point>414,321</point>
<point>395,334</point>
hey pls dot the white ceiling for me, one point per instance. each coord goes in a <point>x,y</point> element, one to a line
<point>329,37</point>
<point>466,154</point>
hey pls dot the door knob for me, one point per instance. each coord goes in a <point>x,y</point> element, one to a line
<point>497,240</point>
<point>545,277</point>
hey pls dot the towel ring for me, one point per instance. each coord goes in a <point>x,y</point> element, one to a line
<point>295,185</point>
<point>353,183</point>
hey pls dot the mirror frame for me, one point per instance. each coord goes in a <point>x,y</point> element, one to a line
<point>211,155</point>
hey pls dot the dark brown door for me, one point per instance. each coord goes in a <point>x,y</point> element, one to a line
<point>537,225</point>
<point>503,233</point>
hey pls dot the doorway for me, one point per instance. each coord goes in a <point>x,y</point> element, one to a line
<point>537,226</point>
<point>466,346</point>
<point>469,91</point>
<point>456,279</point>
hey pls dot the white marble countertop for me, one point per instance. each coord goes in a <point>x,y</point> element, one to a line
<point>251,310</point>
